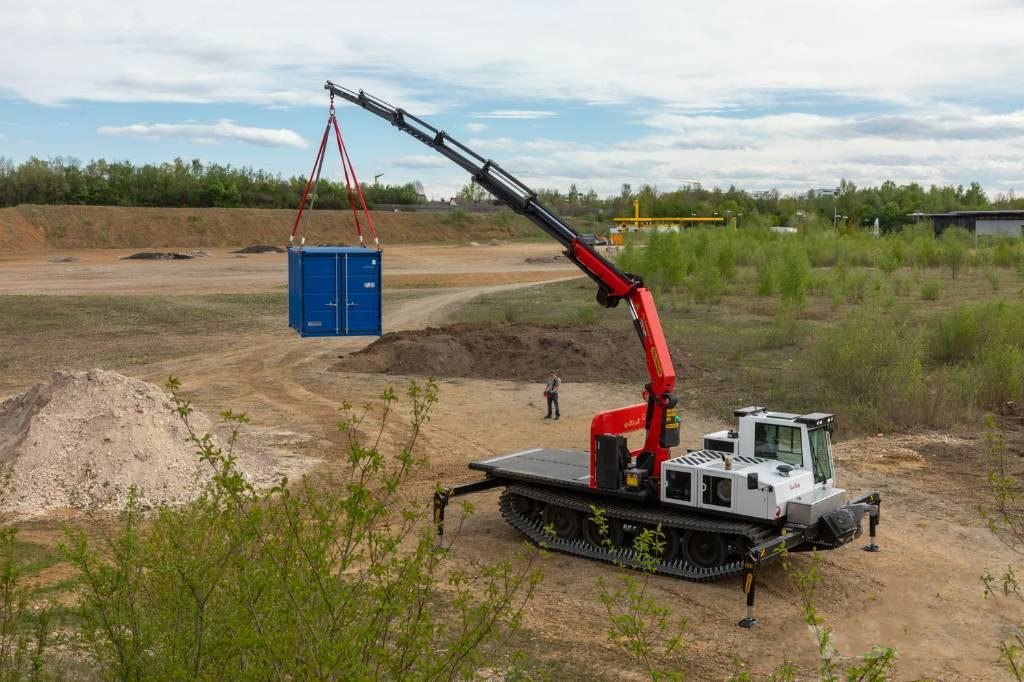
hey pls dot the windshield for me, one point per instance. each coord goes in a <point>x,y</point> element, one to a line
<point>821,454</point>
<point>773,441</point>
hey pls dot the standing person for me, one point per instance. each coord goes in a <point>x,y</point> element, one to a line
<point>551,393</point>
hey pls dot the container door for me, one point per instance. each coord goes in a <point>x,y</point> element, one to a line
<point>361,293</point>
<point>320,310</point>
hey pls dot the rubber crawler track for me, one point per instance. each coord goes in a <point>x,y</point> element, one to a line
<point>753,533</point>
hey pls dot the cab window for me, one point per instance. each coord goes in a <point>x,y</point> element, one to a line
<point>820,454</point>
<point>784,443</point>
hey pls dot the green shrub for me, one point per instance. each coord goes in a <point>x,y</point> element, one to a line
<point>794,277</point>
<point>890,259</point>
<point>930,290</point>
<point>342,580</point>
<point>1007,253</point>
<point>955,242</point>
<point>765,278</point>
<point>855,286</point>
<point>25,630</point>
<point>992,275</point>
<point>457,218</point>
<point>786,330</point>
<point>966,331</point>
<point>823,250</point>
<point>998,376</point>
<point>925,252</point>
<point>872,361</point>
<point>900,285</point>
<point>705,284</point>
<point>726,260</point>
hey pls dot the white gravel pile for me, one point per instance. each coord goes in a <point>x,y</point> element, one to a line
<point>83,438</point>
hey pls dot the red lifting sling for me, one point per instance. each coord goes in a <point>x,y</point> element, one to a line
<point>350,180</point>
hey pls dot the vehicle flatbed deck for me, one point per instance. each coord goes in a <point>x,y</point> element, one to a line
<point>569,469</point>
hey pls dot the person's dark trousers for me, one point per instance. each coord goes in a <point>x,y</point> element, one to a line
<point>553,400</point>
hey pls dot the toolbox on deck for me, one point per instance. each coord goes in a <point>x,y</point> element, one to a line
<point>334,291</point>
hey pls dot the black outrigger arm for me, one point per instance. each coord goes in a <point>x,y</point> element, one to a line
<point>444,494</point>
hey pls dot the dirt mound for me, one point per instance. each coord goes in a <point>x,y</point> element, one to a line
<point>260,248</point>
<point>83,438</point>
<point>524,352</point>
<point>30,228</point>
<point>158,255</point>
<point>545,260</point>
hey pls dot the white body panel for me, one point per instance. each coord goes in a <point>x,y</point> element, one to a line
<point>699,480</point>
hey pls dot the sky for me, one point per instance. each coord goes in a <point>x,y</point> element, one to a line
<point>786,95</point>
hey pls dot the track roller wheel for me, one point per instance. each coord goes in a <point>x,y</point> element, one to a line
<point>614,533</point>
<point>704,549</point>
<point>673,546</point>
<point>526,507</point>
<point>565,523</point>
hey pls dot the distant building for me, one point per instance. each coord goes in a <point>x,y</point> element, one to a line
<point>1009,223</point>
<point>763,194</point>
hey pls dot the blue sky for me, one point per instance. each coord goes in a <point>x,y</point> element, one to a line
<point>786,95</point>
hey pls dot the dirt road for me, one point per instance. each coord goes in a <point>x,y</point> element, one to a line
<point>922,594</point>
<point>104,271</point>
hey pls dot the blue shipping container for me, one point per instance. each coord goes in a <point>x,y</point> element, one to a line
<point>334,291</point>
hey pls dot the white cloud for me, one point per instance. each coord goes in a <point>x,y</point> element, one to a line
<point>516,113</point>
<point>735,53</point>
<point>215,133</point>
<point>788,152</point>
<point>885,96</point>
<point>420,161</point>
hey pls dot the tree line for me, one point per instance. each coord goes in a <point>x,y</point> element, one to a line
<point>845,206</point>
<point>120,183</point>
<point>195,184</point>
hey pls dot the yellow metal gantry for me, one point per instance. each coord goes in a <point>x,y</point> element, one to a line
<point>637,221</point>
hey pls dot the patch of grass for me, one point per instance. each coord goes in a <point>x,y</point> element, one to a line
<point>33,558</point>
<point>786,330</point>
<point>457,218</point>
<point>750,352</point>
<point>42,333</point>
<point>586,315</point>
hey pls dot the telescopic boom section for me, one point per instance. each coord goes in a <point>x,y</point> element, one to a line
<point>614,285</point>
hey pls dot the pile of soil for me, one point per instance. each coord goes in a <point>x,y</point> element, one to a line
<point>158,255</point>
<point>545,260</point>
<point>83,438</point>
<point>260,248</point>
<point>525,352</point>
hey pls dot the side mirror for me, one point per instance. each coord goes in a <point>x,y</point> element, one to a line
<point>752,481</point>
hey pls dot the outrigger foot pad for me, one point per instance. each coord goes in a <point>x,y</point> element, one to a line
<point>748,622</point>
<point>872,548</point>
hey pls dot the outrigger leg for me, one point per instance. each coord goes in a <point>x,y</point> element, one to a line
<point>444,494</point>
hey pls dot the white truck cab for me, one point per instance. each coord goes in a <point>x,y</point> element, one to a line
<point>775,467</point>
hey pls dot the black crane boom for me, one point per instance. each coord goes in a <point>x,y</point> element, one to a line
<point>504,186</point>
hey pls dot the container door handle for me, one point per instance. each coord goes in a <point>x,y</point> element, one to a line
<point>332,304</point>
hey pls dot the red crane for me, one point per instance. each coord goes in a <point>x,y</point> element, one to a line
<point>658,414</point>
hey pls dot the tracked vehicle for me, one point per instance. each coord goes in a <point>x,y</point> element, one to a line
<point>723,509</point>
